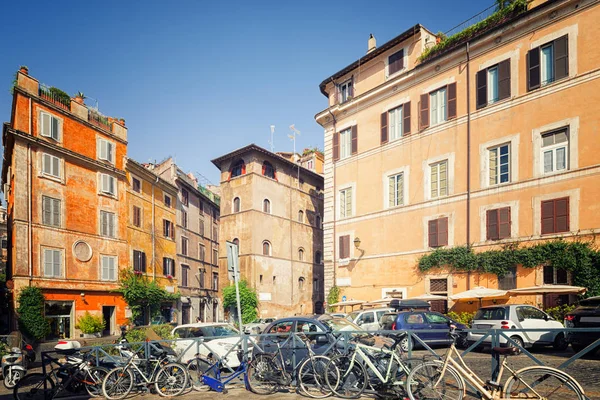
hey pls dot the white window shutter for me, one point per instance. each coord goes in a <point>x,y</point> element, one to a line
<point>46,164</point>
<point>109,152</point>
<point>57,262</point>
<point>45,124</point>
<point>102,144</point>
<point>48,270</point>
<point>104,268</point>
<point>56,212</point>
<point>112,269</point>
<point>55,123</point>
<point>111,184</point>
<point>55,166</point>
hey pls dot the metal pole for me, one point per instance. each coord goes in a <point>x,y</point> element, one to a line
<point>239,307</point>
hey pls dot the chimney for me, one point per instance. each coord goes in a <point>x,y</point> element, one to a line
<point>372,45</point>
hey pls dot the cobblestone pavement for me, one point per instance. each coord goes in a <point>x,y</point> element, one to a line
<point>585,371</point>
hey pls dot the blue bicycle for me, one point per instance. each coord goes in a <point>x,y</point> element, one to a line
<point>205,372</point>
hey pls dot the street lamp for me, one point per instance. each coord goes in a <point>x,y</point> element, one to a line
<point>357,242</point>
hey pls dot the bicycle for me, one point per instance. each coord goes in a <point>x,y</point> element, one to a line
<point>205,373</point>
<point>76,373</point>
<point>445,379</point>
<point>382,369</point>
<point>169,378</point>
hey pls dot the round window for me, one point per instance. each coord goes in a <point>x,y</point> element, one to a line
<point>82,251</point>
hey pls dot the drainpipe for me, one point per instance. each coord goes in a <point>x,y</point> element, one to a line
<point>291,246</point>
<point>468,160</point>
<point>334,206</point>
<point>29,197</point>
<point>153,235</point>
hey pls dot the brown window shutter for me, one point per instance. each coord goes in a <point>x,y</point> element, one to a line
<point>424,111</point>
<point>406,122</point>
<point>433,237</point>
<point>533,69</point>
<point>452,100</point>
<point>561,57</point>
<point>336,146</point>
<point>384,127</point>
<point>504,79</point>
<point>547,217</point>
<point>504,223</point>
<point>492,224</point>
<point>561,213</point>
<point>481,82</point>
<point>443,231</point>
<point>341,247</point>
<point>354,139</point>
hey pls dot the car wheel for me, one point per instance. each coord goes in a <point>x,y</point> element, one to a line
<point>405,344</point>
<point>560,343</point>
<point>518,341</point>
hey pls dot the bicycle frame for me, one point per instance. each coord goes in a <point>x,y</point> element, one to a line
<point>217,384</point>
<point>392,356</point>
<point>148,380</point>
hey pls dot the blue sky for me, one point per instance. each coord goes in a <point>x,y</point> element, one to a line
<point>197,79</point>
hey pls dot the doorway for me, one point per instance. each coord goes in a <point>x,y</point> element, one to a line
<point>185,314</point>
<point>108,312</point>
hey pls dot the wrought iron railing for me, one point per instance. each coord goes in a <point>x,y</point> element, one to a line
<point>99,120</point>
<point>48,94</point>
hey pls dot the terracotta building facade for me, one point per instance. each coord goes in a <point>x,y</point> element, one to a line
<point>272,209</point>
<point>488,143</point>
<point>65,184</point>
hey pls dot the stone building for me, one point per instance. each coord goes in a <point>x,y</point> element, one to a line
<point>64,180</point>
<point>151,203</point>
<point>488,142</point>
<point>197,239</point>
<point>272,208</point>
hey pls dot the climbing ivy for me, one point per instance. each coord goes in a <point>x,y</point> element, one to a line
<point>333,297</point>
<point>31,313</point>
<point>248,301</point>
<point>580,257</point>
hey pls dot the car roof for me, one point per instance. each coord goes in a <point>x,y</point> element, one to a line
<point>203,324</point>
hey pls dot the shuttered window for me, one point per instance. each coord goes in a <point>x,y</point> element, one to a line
<point>346,91</point>
<point>437,102</point>
<point>106,150</point>
<point>555,216</point>
<point>185,197</point>
<point>184,275</point>
<point>136,185</point>
<point>548,63</point>
<point>137,216</point>
<point>439,179</point>
<point>108,184</point>
<point>52,263</point>
<point>499,164</point>
<point>493,84</point>
<point>346,203</point>
<point>184,246</point>
<point>438,232</point>
<point>50,126</point>
<point>168,230</point>
<point>51,211</point>
<point>344,247</point>
<point>184,219</point>
<point>109,268</point>
<point>396,62</point>
<point>396,190</point>
<point>498,223</point>
<point>168,267</point>
<point>437,106</point>
<point>107,224</point>
<point>139,261</point>
<point>201,230</point>
<point>51,165</point>
<point>346,143</point>
<point>201,252</point>
<point>395,121</point>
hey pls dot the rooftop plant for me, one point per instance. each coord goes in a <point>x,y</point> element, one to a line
<point>63,97</point>
<point>313,149</point>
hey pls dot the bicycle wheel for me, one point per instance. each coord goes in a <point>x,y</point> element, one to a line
<point>171,379</point>
<point>311,377</point>
<point>425,382</point>
<point>93,380</point>
<point>262,374</point>
<point>346,379</point>
<point>118,383</point>
<point>197,368</point>
<point>542,383</point>
<point>31,387</point>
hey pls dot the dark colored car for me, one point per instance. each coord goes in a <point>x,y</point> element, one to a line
<point>585,315</point>
<point>421,320</point>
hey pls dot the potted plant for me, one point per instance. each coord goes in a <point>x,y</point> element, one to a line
<point>90,325</point>
<point>169,276</point>
<point>79,97</point>
<point>24,70</point>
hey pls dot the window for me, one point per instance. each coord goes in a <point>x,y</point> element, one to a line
<point>168,267</point>
<point>107,224</point>
<point>348,145</point>
<point>51,165</point>
<point>167,201</point>
<point>528,312</point>
<point>267,206</point>
<point>301,254</point>
<point>109,268</point>
<point>236,241</point>
<point>184,246</point>
<point>136,185</point>
<point>185,197</point>
<point>4,243</point>
<point>438,232</point>
<point>236,205</point>
<point>201,208</point>
<point>498,223</point>
<point>238,168</point>
<point>396,62</point>
<point>201,227</point>
<point>318,257</point>
<point>184,275</point>
<point>266,248</point>
<point>201,252</point>
<point>438,106</point>
<point>439,179</point>
<point>50,126</point>
<point>215,236</point>
<point>318,221</point>
<point>215,282</point>
<point>215,258</point>
<point>345,143</point>
<point>268,170</point>
<point>201,278</point>
<point>395,119</point>
<point>396,190</point>
<point>137,216</point>
<point>440,288</point>
<point>139,261</point>
<point>555,275</point>
<point>168,230</point>
<point>184,219</point>
<point>555,216</point>
<point>499,162</point>
<point>51,211</point>
<point>106,150</point>
<point>344,247</point>
<point>548,63</point>
<point>301,284</point>
<point>310,164</point>
<point>493,84</point>
<point>555,151</point>
<point>508,281</point>
<point>346,91</point>
<point>300,216</point>
<point>52,263</point>
<point>346,203</point>
<point>108,184</point>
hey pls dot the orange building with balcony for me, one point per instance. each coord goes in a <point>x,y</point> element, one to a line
<point>64,181</point>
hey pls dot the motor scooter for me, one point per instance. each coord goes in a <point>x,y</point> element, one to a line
<point>14,364</point>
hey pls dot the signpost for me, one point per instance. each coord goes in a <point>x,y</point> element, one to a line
<point>343,298</point>
<point>233,271</point>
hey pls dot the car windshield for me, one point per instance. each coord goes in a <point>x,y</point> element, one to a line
<point>492,313</point>
<point>352,316</point>
<point>219,330</point>
<point>341,324</point>
<point>258,321</point>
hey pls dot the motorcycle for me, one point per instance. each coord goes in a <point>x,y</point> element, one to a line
<point>14,364</point>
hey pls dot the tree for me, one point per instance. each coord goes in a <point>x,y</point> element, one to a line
<point>248,301</point>
<point>501,4</point>
<point>31,313</point>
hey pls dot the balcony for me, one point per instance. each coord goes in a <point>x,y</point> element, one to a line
<point>55,96</point>
<point>95,118</point>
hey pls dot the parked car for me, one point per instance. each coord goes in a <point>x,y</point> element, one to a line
<point>420,320</point>
<point>338,315</point>
<point>368,319</point>
<point>585,315</point>
<point>258,325</point>
<point>221,337</point>
<point>518,316</point>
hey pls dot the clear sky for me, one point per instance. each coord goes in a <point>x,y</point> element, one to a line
<point>198,79</point>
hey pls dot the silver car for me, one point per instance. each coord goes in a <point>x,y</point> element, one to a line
<point>368,319</point>
<point>258,325</point>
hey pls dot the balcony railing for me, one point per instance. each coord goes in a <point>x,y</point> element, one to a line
<point>48,95</point>
<point>99,120</point>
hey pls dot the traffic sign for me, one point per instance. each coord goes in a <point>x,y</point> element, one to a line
<point>233,267</point>
<point>343,298</point>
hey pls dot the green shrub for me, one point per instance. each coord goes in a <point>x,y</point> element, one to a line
<point>248,301</point>
<point>89,323</point>
<point>333,297</point>
<point>139,334</point>
<point>559,312</point>
<point>463,317</point>
<point>31,313</point>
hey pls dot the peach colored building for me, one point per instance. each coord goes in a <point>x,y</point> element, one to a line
<point>64,180</point>
<point>489,142</point>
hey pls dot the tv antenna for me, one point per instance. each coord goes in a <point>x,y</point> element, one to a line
<point>295,132</point>
<point>271,141</point>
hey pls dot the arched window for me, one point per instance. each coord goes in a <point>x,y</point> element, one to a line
<point>318,257</point>
<point>236,241</point>
<point>318,221</point>
<point>266,248</point>
<point>268,170</point>
<point>237,169</point>
<point>301,283</point>
<point>301,254</point>
<point>267,206</point>
<point>300,216</point>
<point>236,205</point>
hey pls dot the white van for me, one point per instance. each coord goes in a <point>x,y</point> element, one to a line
<point>368,319</point>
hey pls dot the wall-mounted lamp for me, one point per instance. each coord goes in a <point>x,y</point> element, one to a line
<point>495,301</point>
<point>82,294</point>
<point>469,302</point>
<point>357,242</point>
